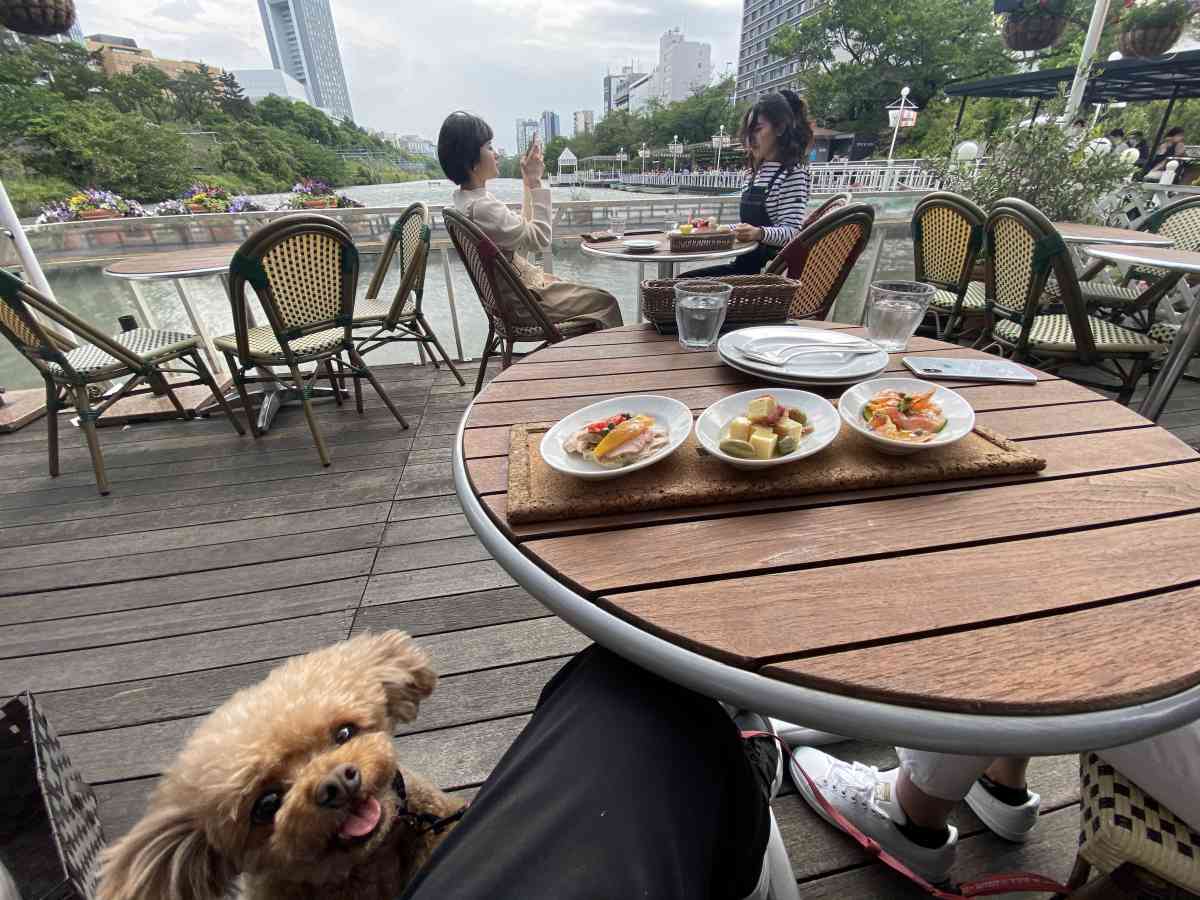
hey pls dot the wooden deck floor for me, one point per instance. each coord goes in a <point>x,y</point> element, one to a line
<point>215,557</point>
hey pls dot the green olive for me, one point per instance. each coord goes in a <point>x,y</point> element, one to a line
<point>740,449</point>
<point>786,445</point>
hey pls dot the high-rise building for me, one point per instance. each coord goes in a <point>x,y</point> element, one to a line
<point>526,128</point>
<point>758,71</point>
<point>550,129</point>
<point>585,122</point>
<point>259,83</point>
<point>616,88</point>
<point>303,43</point>
<point>684,67</point>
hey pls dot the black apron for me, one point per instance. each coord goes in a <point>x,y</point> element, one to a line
<point>753,211</point>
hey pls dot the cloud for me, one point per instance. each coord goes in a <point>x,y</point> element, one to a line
<point>411,62</point>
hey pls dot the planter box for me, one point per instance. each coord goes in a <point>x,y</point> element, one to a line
<point>321,203</point>
<point>89,215</point>
<point>196,208</point>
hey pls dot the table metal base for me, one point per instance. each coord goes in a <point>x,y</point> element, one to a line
<point>271,399</point>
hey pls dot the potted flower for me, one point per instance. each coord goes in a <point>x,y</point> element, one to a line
<point>243,204</point>
<point>93,204</point>
<point>314,194</point>
<point>171,208</point>
<point>1035,24</point>
<point>206,198</point>
<point>1151,27</point>
<point>344,202</point>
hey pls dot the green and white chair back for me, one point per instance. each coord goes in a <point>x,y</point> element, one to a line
<point>947,233</point>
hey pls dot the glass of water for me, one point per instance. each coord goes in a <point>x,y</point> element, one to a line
<point>700,308</point>
<point>894,311</point>
<point>616,222</point>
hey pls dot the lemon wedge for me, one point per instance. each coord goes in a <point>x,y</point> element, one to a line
<point>626,431</point>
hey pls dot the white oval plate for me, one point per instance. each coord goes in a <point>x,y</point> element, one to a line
<point>670,414</point>
<point>820,412</point>
<point>640,246</point>
<point>779,376</point>
<point>960,417</point>
<point>817,366</point>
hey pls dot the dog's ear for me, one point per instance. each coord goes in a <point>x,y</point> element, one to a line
<point>165,856</point>
<point>403,669</point>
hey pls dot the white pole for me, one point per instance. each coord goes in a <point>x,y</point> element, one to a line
<point>896,131</point>
<point>29,262</point>
<point>1090,43</point>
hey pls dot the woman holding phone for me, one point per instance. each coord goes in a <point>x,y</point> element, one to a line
<point>777,134</point>
<point>469,160</point>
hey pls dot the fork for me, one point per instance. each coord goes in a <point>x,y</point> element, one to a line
<point>781,359</point>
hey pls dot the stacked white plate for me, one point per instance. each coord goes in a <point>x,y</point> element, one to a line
<point>808,368</point>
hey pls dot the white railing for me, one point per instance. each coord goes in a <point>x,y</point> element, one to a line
<point>870,176</point>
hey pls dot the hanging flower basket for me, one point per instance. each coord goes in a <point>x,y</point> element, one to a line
<point>40,17</point>
<point>1151,41</point>
<point>1032,31</point>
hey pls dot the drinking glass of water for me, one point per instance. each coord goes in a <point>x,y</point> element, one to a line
<point>616,222</point>
<point>700,308</point>
<point>894,311</point>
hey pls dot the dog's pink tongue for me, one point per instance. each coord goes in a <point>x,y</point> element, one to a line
<point>364,816</point>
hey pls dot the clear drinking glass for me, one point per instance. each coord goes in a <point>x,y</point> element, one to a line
<point>700,308</point>
<point>894,311</point>
<point>616,222</point>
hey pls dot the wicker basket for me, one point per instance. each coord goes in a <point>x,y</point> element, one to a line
<point>1033,31</point>
<point>39,17</point>
<point>1143,42</point>
<point>755,298</point>
<point>701,242</point>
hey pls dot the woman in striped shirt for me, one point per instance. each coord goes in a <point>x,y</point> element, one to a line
<point>777,134</point>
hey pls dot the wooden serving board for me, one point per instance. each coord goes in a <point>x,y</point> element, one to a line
<point>690,477</point>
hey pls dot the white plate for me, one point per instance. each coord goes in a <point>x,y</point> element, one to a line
<point>670,414</point>
<point>820,412</point>
<point>821,367</point>
<point>778,376</point>
<point>640,246</point>
<point>960,417</point>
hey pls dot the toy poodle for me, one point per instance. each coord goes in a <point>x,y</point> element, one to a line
<point>294,786</point>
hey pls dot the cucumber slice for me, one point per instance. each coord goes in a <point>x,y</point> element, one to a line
<point>739,449</point>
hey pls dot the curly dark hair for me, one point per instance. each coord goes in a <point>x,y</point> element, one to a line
<point>787,112</point>
<point>459,142</point>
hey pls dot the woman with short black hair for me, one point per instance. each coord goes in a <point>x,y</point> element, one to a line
<point>469,160</point>
<point>777,134</point>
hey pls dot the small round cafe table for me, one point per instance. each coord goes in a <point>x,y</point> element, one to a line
<point>1006,615</point>
<point>1079,233</point>
<point>178,266</point>
<point>666,260</point>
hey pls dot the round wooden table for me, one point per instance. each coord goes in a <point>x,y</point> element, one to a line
<point>1011,616</point>
<point>1077,233</point>
<point>177,266</point>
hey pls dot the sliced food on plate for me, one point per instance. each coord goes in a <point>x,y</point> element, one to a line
<point>904,417</point>
<point>765,430</point>
<point>617,441</point>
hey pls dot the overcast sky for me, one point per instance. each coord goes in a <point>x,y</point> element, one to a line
<point>410,62</point>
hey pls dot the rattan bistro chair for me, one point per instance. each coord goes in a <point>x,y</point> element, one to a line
<point>1140,848</point>
<point>304,273</point>
<point>947,233</point>
<point>402,319</point>
<point>831,204</point>
<point>1023,249</point>
<point>514,314</point>
<point>142,358</point>
<point>1179,221</point>
<point>821,256</point>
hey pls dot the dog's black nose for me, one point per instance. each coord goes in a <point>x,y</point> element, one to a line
<point>339,787</point>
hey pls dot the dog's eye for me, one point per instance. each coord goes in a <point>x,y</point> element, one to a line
<point>266,806</point>
<point>344,734</point>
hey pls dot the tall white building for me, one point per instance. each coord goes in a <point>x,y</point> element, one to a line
<point>303,43</point>
<point>758,71</point>
<point>260,83</point>
<point>526,128</point>
<point>550,127</point>
<point>684,67</point>
<point>585,122</point>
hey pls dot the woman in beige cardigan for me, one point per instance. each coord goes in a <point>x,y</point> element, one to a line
<point>469,160</point>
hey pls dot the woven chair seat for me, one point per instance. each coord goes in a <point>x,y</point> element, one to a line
<point>264,346</point>
<point>1053,333</point>
<point>974,299</point>
<point>1120,823</point>
<point>373,312</point>
<point>569,328</point>
<point>144,343</point>
<point>1163,332</point>
<point>1098,292</point>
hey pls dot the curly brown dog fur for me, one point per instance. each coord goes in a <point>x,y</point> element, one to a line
<point>291,784</point>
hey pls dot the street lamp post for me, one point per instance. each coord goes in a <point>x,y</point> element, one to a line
<point>719,140</point>
<point>643,153</point>
<point>676,148</point>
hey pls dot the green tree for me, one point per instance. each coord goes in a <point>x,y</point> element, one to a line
<point>856,55</point>
<point>195,94</point>
<point>146,90</point>
<point>231,97</point>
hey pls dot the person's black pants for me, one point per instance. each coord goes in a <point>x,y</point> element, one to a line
<point>747,264</point>
<point>622,785</point>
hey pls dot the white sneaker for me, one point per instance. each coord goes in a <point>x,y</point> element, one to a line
<point>867,798</point>
<point>1013,823</point>
<point>801,736</point>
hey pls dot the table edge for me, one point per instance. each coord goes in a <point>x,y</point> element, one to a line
<point>927,729</point>
<point>1114,252</point>
<point>731,253</point>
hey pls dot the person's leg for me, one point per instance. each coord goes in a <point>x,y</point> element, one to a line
<point>621,785</point>
<point>713,271</point>
<point>563,300</point>
<point>1167,768</point>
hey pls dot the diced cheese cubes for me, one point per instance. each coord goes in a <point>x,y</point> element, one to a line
<point>739,429</point>
<point>761,408</point>
<point>786,427</point>
<point>763,441</point>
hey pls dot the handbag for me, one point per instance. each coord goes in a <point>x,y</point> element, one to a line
<point>50,834</point>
